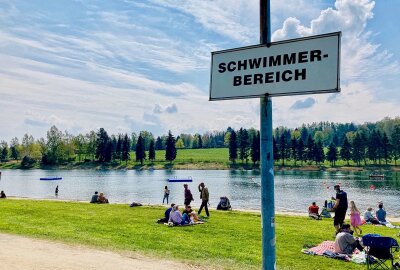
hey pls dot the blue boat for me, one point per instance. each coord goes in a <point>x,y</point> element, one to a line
<point>50,178</point>
<point>176,179</point>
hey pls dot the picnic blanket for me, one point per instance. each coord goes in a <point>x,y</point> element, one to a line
<point>170,224</point>
<point>327,249</point>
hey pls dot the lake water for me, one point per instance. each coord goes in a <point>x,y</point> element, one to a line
<point>294,190</point>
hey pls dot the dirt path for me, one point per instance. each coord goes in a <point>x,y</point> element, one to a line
<point>18,252</point>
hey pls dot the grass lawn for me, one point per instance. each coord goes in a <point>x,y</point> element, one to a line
<point>229,240</point>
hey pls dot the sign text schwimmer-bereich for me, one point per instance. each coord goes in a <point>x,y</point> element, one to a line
<point>271,61</point>
<point>299,66</point>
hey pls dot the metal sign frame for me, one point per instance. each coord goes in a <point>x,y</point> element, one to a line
<point>282,93</point>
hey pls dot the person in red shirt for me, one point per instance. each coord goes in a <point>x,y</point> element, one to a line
<point>313,211</point>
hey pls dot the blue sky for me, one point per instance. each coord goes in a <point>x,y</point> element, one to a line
<point>145,65</point>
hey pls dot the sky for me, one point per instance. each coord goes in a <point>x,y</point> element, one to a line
<point>129,66</point>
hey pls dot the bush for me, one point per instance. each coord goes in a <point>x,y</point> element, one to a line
<point>27,162</point>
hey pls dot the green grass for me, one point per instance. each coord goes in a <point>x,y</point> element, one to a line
<point>229,240</point>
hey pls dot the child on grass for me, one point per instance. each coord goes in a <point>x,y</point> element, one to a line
<point>355,219</point>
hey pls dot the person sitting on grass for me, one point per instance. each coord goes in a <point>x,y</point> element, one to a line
<point>369,217</point>
<point>95,198</point>
<point>345,243</point>
<point>381,214</point>
<point>2,195</point>
<point>102,198</point>
<point>313,210</point>
<point>176,218</point>
<point>166,214</point>
<point>194,218</point>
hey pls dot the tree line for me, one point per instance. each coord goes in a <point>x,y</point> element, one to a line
<point>369,143</point>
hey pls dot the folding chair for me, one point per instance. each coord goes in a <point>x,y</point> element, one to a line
<point>379,250</point>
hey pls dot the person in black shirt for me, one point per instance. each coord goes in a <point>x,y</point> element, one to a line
<point>340,208</point>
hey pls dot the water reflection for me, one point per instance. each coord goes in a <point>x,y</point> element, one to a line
<point>294,190</point>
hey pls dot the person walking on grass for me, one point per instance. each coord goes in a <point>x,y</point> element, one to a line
<point>355,219</point>
<point>204,196</point>
<point>166,194</point>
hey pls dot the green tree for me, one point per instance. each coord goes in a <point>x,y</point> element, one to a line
<point>233,147</point>
<point>15,149</point>
<point>345,151</point>
<point>301,151</point>
<point>227,138</point>
<point>170,149</point>
<point>91,148</point>
<point>386,149</point>
<point>125,149</point>
<point>243,138</point>
<point>275,150</point>
<point>180,144</point>
<point>332,154</point>
<point>147,137</point>
<point>80,145</point>
<point>140,151</point>
<point>373,146</point>
<point>118,148</point>
<point>200,141</point>
<point>152,151</point>
<point>357,149</point>
<point>282,148</point>
<point>159,144</point>
<point>310,148</point>
<point>4,151</point>
<point>319,154</point>
<point>103,142</point>
<point>255,148</point>
<point>293,149</point>
<point>395,142</point>
<point>55,152</point>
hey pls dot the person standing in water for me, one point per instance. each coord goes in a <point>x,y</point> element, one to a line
<point>166,194</point>
<point>56,190</point>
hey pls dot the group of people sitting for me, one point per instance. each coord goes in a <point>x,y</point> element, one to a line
<point>174,217</point>
<point>98,198</point>
<point>369,217</point>
<point>380,215</point>
<point>313,211</point>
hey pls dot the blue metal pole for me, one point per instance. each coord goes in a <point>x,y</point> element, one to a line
<point>266,157</point>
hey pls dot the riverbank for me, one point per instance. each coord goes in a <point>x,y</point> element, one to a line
<point>197,159</point>
<point>198,166</point>
<point>391,218</point>
<point>227,240</point>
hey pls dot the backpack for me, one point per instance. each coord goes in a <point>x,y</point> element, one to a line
<point>224,204</point>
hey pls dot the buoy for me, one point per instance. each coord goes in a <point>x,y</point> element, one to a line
<point>372,187</point>
<point>327,187</point>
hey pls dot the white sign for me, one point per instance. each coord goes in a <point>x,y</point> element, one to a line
<point>292,67</point>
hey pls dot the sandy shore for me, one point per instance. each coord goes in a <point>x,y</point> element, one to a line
<point>17,252</point>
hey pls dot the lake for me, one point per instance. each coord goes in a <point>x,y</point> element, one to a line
<point>294,190</point>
